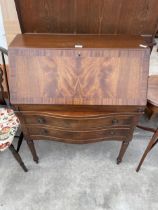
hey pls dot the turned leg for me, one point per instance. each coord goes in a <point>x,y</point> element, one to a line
<point>31,146</point>
<point>152,142</point>
<point>17,157</point>
<point>122,151</point>
<point>20,141</point>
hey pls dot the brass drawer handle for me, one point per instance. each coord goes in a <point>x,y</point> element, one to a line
<point>114,122</point>
<point>41,120</point>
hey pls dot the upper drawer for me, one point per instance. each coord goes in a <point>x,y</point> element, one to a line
<point>82,122</point>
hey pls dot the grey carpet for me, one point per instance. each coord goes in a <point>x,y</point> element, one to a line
<point>81,177</point>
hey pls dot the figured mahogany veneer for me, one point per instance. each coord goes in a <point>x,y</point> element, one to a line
<point>63,74</point>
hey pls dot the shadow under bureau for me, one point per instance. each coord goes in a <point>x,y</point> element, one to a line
<point>78,88</point>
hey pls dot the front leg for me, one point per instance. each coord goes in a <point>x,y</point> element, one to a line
<point>122,151</point>
<point>31,146</point>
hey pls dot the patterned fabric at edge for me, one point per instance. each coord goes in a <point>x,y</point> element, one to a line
<point>9,124</point>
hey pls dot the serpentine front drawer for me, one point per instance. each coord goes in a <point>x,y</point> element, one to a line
<point>78,121</point>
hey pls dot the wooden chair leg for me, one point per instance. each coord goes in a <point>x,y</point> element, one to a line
<point>17,157</point>
<point>152,142</point>
<point>122,151</point>
<point>20,141</point>
<point>31,146</point>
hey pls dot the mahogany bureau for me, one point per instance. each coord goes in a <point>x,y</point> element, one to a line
<point>78,88</point>
<point>81,88</point>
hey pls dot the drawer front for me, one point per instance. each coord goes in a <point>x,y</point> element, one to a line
<point>37,132</point>
<point>80,123</point>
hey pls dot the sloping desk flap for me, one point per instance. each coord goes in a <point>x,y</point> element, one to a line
<point>107,70</point>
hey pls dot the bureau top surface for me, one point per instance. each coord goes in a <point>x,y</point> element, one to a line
<point>71,41</point>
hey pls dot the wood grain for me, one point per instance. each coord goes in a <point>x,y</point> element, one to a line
<point>90,16</point>
<point>79,137</point>
<point>68,41</point>
<point>79,121</point>
<point>79,108</point>
<point>78,124</point>
<point>107,76</point>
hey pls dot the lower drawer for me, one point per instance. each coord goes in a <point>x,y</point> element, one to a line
<point>37,132</point>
